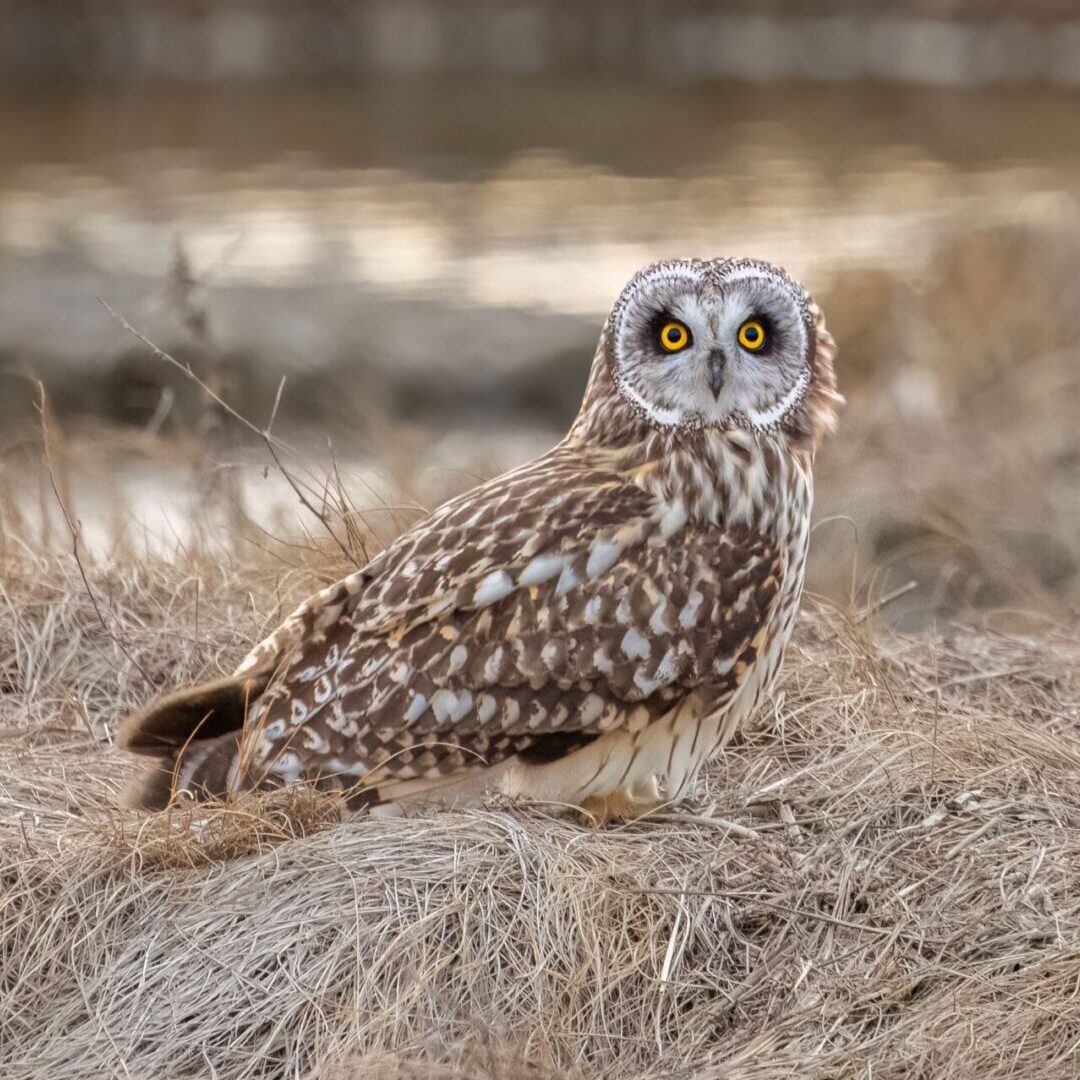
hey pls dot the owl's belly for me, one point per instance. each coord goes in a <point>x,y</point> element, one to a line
<point>624,773</point>
<point>627,772</point>
<point>638,770</point>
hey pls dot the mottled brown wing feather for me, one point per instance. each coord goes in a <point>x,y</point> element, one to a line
<point>542,609</point>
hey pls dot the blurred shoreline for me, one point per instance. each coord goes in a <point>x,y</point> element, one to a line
<point>427,261</point>
<point>370,240</point>
<point>925,42</point>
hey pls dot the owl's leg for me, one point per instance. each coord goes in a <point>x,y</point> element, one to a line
<point>626,804</point>
<point>465,788</point>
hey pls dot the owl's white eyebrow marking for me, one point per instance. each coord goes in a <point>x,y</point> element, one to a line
<point>666,273</point>
<point>778,411</point>
<point>747,273</point>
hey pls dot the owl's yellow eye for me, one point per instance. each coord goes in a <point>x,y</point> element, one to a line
<point>674,336</point>
<point>752,335</point>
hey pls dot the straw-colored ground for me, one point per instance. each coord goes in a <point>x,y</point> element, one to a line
<point>881,879</point>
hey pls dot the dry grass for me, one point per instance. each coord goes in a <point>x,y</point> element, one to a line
<point>882,878</point>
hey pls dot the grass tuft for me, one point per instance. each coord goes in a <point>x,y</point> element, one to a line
<point>880,877</point>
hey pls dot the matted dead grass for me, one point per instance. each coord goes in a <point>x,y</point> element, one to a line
<point>881,878</point>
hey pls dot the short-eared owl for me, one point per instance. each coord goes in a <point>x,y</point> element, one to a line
<point>584,630</point>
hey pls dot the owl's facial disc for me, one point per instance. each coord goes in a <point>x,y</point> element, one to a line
<point>713,344</point>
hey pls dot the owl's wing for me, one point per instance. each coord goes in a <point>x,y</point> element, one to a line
<point>555,603</point>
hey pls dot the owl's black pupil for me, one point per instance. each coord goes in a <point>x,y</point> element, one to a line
<point>752,333</point>
<point>673,334</point>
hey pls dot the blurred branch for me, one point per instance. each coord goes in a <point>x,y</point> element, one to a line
<point>264,433</point>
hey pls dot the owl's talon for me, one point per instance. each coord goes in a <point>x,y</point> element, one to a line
<point>624,805</point>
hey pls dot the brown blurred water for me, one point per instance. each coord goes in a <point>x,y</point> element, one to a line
<point>308,208</point>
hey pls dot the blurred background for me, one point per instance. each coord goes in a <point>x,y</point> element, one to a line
<point>419,211</point>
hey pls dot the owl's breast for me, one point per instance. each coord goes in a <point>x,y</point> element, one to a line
<point>790,528</point>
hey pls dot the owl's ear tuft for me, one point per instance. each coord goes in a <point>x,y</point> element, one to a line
<point>194,713</point>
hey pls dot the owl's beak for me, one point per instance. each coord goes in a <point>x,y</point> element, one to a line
<point>716,372</point>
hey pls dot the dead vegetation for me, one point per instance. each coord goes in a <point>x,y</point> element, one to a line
<point>880,878</point>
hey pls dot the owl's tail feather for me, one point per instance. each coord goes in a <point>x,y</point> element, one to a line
<point>194,737</point>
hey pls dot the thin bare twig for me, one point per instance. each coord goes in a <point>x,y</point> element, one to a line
<point>76,533</point>
<point>264,433</point>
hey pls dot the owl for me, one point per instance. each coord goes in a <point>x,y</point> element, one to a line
<point>586,630</point>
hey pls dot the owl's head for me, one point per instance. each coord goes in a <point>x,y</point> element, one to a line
<point>720,343</point>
